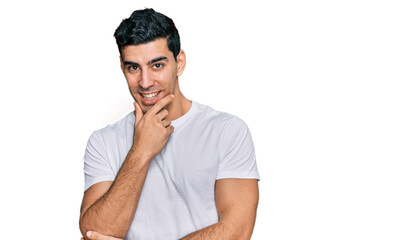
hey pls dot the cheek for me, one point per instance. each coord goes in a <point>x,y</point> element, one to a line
<point>167,77</point>
<point>163,77</point>
<point>131,80</point>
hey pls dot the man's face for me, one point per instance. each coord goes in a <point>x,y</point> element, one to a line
<point>151,72</point>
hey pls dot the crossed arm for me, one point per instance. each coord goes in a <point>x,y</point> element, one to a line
<point>236,202</point>
<point>108,207</point>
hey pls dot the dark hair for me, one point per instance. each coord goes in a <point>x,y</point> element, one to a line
<point>145,26</point>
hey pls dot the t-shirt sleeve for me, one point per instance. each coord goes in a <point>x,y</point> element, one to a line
<point>96,165</point>
<point>237,153</point>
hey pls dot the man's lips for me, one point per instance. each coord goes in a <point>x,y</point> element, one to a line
<point>150,98</point>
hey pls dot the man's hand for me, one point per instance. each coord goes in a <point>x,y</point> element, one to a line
<point>98,236</point>
<point>152,129</point>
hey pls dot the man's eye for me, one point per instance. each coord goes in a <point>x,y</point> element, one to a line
<point>133,68</point>
<point>157,65</point>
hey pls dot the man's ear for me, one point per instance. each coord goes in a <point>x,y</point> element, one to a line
<point>181,62</point>
<point>121,64</point>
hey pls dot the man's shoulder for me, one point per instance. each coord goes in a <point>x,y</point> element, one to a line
<point>219,118</point>
<point>118,128</point>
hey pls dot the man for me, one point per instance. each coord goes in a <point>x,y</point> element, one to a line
<point>173,168</point>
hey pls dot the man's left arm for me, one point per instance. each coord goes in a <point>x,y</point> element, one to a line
<point>236,202</point>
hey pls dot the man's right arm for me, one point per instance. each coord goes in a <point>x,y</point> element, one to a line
<point>109,207</point>
<point>113,211</point>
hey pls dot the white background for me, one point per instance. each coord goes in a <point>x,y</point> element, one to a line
<point>326,87</point>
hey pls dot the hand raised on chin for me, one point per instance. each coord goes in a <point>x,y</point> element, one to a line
<point>152,129</point>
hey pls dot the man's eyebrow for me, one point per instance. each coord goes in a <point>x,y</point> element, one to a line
<point>148,63</point>
<point>129,63</point>
<point>156,60</point>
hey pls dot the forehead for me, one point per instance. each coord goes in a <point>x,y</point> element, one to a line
<point>147,51</point>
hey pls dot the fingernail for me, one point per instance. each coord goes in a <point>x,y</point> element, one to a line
<point>89,234</point>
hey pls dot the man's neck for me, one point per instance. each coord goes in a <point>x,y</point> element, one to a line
<point>180,106</point>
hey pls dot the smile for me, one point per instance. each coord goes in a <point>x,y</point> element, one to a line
<point>150,98</point>
<point>149,95</point>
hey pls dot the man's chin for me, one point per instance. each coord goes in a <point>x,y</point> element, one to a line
<point>146,108</point>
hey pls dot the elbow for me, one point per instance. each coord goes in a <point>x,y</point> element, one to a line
<point>83,227</point>
<point>244,233</point>
<point>238,231</point>
<point>86,224</point>
<point>246,229</point>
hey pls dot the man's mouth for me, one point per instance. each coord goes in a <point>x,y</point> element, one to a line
<point>149,96</point>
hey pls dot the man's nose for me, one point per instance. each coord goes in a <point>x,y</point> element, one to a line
<point>146,80</point>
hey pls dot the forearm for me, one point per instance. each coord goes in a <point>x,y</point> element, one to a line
<point>220,231</point>
<point>113,213</point>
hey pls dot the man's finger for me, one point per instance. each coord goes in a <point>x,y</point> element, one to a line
<point>138,112</point>
<point>160,104</point>
<point>170,129</point>
<point>162,114</point>
<point>166,122</point>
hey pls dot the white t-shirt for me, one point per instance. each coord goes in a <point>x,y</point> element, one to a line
<point>178,194</point>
